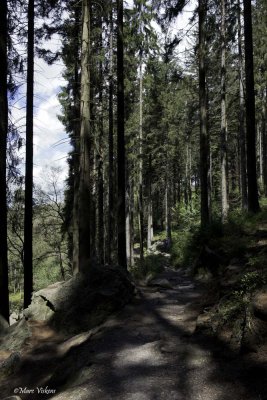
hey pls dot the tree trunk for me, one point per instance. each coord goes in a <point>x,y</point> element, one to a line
<point>253,201</point>
<point>188,173</point>
<point>204,142</point>
<point>150,209</point>
<point>76,144</point>
<point>100,194</point>
<point>4,298</point>
<point>224,194</point>
<point>110,150</point>
<point>259,135</point>
<point>140,180</point>
<point>129,211</point>
<point>131,223</point>
<point>28,269</point>
<point>167,214</point>
<point>242,135</point>
<point>101,190</point>
<point>121,220</point>
<point>85,145</point>
<point>264,141</point>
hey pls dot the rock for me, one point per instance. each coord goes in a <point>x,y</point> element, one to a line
<point>13,318</point>
<point>164,283</point>
<point>259,305</point>
<point>10,365</point>
<point>82,302</point>
<point>159,246</point>
<point>41,307</point>
<point>12,398</point>
<point>203,322</point>
<point>15,336</point>
<point>149,278</point>
<point>232,268</point>
<point>74,341</point>
<point>3,325</point>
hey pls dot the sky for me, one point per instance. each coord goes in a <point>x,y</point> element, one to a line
<point>51,145</point>
<point>50,140</point>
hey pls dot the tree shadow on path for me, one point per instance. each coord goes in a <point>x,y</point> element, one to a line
<point>149,352</point>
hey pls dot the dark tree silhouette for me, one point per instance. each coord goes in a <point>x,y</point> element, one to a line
<point>253,201</point>
<point>204,142</point>
<point>28,271</point>
<point>4,301</point>
<point>122,259</point>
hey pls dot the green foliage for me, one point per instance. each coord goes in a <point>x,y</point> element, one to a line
<point>45,273</point>
<point>258,261</point>
<point>152,265</point>
<point>247,223</point>
<point>229,309</point>
<point>232,308</point>
<point>187,218</point>
<point>250,282</point>
<point>16,301</point>
<point>182,252</point>
<point>232,240</point>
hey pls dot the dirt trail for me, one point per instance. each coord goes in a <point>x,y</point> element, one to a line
<point>149,352</point>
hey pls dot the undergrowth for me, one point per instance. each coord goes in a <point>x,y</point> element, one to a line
<point>152,265</point>
<point>231,240</point>
<point>16,302</point>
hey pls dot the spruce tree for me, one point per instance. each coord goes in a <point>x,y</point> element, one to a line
<point>253,201</point>
<point>28,266</point>
<point>4,294</point>
<point>121,216</point>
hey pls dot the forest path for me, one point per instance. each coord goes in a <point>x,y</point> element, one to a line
<point>148,352</point>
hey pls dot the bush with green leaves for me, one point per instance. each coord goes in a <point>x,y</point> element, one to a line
<point>152,265</point>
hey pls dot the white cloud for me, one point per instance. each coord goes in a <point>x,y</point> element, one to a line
<point>51,144</point>
<point>48,130</point>
<point>50,140</point>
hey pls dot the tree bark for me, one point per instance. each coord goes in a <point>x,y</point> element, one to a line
<point>100,167</point>
<point>110,150</point>
<point>4,295</point>
<point>85,145</point>
<point>253,201</point>
<point>204,141</point>
<point>150,208</point>
<point>28,267</point>
<point>76,144</point>
<point>224,194</point>
<point>242,134</point>
<point>168,214</point>
<point>260,152</point>
<point>140,183</point>
<point>121,219</point>
<point>129,221</point>
<point>264,140</point>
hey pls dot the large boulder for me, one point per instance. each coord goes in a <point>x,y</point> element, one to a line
<point>15,336</point>
<point>82,302</point>
<point>10,365</point>
<point>259,305</point>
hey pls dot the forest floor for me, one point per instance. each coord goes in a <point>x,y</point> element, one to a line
<point>148,351</point>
